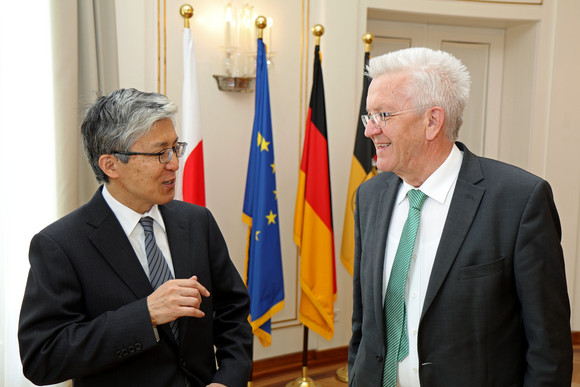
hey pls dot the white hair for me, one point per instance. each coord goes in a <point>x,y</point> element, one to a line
<point>436,78</point>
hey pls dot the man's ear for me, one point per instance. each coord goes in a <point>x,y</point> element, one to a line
<point>108,164</point>
<point>436,118</point>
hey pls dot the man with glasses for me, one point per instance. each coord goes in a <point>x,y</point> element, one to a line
<point>459,273</point>
<point>134,288</point>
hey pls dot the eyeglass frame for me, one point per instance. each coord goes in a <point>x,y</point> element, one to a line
<point>172,150</point>
<point>365,118</point>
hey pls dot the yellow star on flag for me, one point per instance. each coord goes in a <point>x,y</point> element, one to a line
<point>271,218</point>
<point>265,145</point>
<point>262,143</point>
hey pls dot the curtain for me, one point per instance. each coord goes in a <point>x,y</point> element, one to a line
<point>44,94</point>
<point>92,38</point>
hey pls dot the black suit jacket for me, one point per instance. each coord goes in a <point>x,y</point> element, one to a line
<point>84,315</point>
<point>496,311</point>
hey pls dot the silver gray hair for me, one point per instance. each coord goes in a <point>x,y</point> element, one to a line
<point>116,121</point>
<point>436,78</point>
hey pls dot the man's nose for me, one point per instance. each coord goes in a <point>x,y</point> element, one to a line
<point>372,129</point>
<point>173,164</point>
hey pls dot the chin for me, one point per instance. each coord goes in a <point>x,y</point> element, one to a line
<point>384,167</point>
<point>165,199</point>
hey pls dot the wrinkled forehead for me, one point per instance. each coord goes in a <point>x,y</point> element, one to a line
<point>388,92</point>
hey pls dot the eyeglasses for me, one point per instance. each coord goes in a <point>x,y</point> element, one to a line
<point>380,119</point>
<point>165,155</point>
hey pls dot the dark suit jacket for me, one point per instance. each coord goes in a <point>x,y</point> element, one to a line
<point>84,315</point>
<point>496,311</point>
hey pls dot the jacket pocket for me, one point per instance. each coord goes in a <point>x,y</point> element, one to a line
<point>477,271</point>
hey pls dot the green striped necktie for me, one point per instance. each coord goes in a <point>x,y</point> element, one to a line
<point>396,340</point>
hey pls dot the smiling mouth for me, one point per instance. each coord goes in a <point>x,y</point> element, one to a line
<point>382,145</point>
<point>169,182</point>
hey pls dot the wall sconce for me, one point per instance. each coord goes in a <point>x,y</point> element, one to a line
<point>240,49</point>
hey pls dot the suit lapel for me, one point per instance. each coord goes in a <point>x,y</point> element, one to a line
<point>386,201</point>
<point>180,242</point>
<point>110,240</point>
<point>462,211</point>
<point>178,238</point>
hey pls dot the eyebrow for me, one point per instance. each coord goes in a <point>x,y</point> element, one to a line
<point>165,144</point>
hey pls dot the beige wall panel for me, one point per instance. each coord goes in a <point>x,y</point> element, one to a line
<point>563,137</point>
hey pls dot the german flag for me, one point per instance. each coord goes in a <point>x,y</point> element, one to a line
<point>362,168</point>
<point>313,227</point>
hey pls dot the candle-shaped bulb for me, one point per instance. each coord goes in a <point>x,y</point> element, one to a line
<point>228,27</point>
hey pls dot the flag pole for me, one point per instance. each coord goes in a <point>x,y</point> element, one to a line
<point>305,380</point>
<point>260,24</point>
<point>264,277</point>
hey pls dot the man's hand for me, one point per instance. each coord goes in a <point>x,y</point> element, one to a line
<point>176,298</point>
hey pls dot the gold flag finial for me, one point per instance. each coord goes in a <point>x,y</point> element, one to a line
<point>368,39</point>
<point>318,31</point>
<point>186,11</point>
<point>261,23</point>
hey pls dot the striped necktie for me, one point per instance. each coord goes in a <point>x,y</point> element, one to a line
<point>159,272</point>
<point>396,340</point>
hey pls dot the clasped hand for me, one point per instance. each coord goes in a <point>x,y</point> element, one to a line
<point>176,298</point>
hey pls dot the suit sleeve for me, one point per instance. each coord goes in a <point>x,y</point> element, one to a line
<point>357,300</point>
<point>541,286</point>
<point>57,339</point>
<point>232,332</point>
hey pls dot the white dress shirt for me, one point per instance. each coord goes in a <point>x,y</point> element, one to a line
<point>439,188</point>
<point>129,220</point>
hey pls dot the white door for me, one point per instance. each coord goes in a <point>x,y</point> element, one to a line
<point>480,49</point>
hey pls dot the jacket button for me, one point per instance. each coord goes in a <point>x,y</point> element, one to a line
<point>379,358</point>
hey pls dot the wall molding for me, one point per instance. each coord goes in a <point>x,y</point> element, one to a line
<point>575,338</point>
<point>293,361</point>
<point>517,2</point>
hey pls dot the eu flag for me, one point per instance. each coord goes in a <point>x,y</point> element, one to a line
<point>264,277</point>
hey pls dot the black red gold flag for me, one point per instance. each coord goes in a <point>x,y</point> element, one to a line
<point>313,227</point>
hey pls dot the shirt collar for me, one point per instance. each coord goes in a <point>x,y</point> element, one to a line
<point>126,216</point>
<point>438,185</point>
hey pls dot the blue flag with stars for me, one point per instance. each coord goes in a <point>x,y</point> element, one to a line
<point>264,277</point>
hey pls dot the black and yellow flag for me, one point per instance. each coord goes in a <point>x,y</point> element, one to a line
<point>362,168</point>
